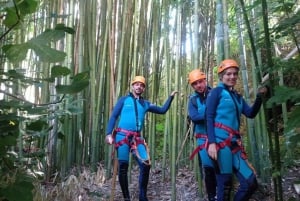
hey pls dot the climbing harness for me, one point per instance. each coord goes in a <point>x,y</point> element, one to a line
<point>238,146</point>
<point>133,139</point>
<point>200,147</point>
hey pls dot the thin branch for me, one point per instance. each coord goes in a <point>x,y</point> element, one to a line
<point>21,98</point>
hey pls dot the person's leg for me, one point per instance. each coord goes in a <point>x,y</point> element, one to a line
<point>123,179</point>
<point>123,158</point>
<point>224,186</point>
<point>209,175</point>
<point>246,177</point>
<point>143,181</point>
<point>210,183</point>
<point>143,160</point>
<point>224,174</point>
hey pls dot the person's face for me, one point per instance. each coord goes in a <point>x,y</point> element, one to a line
<point>138,88</point>
<point>230,76</point>
<point>199,85</point>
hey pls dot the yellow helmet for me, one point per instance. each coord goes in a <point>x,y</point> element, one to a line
<point>138,79</point>
<point>195,75</point>
<point>227,63</point>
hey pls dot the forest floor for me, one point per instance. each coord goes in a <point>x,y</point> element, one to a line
<point>82,185</point>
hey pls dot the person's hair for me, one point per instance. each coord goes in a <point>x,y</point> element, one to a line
<point>220,75</point>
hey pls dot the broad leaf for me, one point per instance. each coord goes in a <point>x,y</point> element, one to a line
<point>16,53</point>
<point>38,125</point>
<point>284,94</point>
<point>24,8</point>
<point>294,119</point>
<point>75,87</point>
<point>80,82</point>
<point>48,54</point>
<point>57,71</point>
<point>21,188</point>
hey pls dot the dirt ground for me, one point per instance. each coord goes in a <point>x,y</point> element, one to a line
<point>84,185</point>
<point>187,189</point>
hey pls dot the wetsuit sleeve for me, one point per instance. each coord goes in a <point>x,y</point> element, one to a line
<point>161,110</point>
<point>195,116</point>
<point>251,112</point>
<point>212,102</point>
<point>114,115</point>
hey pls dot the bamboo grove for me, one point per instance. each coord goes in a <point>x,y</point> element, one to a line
<point>64,63</point>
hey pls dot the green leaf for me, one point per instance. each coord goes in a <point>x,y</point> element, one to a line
<point>49,35</point>
<point>21,188</point>
<point>40,45</point>
<point>283,94</point>
<point>81,76</point>
<point>16,53</point>
<point>8,140</point>
<point>11,17</point>
<point>14,74</point>
<point>38,125</point>
<point>64,28</point>
<point>27,7</point>
<point>24,8</point>
<point>57,71</point>
<point>294,119</point>
<point>8,124</point>
<point>73,88</point>
<point>47,54</point>
<point>80,82</point>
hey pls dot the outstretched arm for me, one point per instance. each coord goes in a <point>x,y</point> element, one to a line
<point>162,110</point>
<point>251,112</point>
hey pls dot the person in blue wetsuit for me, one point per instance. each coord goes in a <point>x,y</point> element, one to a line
<point>196,111</point>
<point>224,108</point>
<point>130,113</point>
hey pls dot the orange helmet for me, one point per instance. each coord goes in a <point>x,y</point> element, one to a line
<point>227,63</point>
<point>138,79</point>
<point>195,75</point>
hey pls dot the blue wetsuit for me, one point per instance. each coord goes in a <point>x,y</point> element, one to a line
<point>224,109</point>
<point>130,114</point>
<point>196,110</point>
<point>125,111</point>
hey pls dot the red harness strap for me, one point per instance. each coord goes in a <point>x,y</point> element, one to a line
<point>133,143</point>
<point>136,140</point>
<point>199,148</point>
<point>227,142</point>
